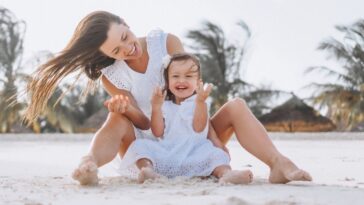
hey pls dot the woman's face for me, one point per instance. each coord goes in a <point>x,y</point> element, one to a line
<point>183,79</point>
<point>121,43</point>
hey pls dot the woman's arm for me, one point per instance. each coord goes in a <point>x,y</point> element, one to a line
<point>174,45</point>
<point>132,111</point>
<point>157,121</point>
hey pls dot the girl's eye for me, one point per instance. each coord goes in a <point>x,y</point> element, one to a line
<point>125,37</point>
<point>117,51</point>
<point>174,76</point>
<point>189,76</point>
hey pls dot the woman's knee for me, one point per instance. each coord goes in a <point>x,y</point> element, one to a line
<point>237,104</point>
<point>116,119</point>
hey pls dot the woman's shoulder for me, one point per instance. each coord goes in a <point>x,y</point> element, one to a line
<point>170,43</point>
<point>118,74</point>
<point>117,65</point>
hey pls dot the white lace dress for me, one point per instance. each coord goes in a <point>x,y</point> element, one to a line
<point>181,151</point>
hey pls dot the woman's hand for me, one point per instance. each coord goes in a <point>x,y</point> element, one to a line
<point>158,97</point>
<point>203,91</point>
<point>118,104</point>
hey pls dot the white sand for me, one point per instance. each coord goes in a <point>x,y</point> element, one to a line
<point>36,170</point>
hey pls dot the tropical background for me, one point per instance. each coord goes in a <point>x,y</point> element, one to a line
<point>330,96</point>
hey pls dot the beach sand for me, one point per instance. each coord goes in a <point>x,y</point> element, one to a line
<point>36,170</point>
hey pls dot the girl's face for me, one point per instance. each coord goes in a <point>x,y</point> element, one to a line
<point>183,79</point>
<point>121,43</point>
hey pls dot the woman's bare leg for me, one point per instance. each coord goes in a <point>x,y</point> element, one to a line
<point>108,140</point>
<point>235,116</point>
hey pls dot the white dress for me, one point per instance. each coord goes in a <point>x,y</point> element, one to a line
<point>181,151</point>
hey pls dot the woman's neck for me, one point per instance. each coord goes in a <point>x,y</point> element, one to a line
<point>140,65</point>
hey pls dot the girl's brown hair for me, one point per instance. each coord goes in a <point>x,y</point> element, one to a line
<point>81,54</point>
<point>178,57</point>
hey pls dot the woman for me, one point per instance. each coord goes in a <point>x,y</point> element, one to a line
<point>104,47</point>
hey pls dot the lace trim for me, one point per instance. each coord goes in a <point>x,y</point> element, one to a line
<point>118,75</point>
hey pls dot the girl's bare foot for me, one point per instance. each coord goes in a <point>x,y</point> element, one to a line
<point>284,171</point>
<point>147,173</point>
<point>86,172</point>
<point>237,177</point>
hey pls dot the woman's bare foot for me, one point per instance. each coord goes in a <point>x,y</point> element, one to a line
<point>284,171</point>
<point>237,177</point>
<point>86,172</point>
<point>147,173</point>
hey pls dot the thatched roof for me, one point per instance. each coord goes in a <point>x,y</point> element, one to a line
<point>94,122</point>
<point>296,116</point>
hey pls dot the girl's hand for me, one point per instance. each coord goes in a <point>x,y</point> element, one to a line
<point>118,104</point>
<point>158,97</point>
<point>203,91</point>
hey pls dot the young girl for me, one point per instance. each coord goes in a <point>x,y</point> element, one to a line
<point>181,124</point>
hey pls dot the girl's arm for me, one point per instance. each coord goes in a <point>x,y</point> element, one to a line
<point>124,103</point>
<point>200,115</point>
<point>157,121</point>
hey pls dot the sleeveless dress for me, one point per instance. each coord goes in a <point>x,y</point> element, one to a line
<point>184,145</point>
<point>181,151</point>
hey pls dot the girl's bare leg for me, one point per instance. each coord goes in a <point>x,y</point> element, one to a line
<point>226,175</point>
<point>146,170</point>
<point>108,140</point>
<point>235,116</point>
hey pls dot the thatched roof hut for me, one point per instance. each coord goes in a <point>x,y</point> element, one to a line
<point>296,116</point>
<point>94,122</point>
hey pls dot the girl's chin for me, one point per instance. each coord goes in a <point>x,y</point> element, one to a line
<point>183,97</point>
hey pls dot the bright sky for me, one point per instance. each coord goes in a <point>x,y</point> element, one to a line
<point>286,32</point>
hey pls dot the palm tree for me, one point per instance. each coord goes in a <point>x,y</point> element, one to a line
<point>221,60</point>
<point>12,33</point>
<point>262,99</point>
<point>72,110</point>
<point>344,98</point>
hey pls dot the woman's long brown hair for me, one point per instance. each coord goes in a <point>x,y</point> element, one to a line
<point>81,54</point>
